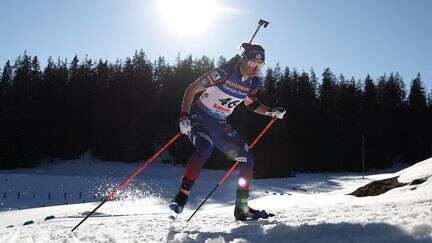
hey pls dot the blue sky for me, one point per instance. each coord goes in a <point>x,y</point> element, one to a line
<point>351,37</point>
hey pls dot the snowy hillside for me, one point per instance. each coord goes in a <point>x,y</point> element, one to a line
<point>308,208</point>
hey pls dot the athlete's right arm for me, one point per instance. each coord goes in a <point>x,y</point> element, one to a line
<point>209,79</point>
<point>189,95</point>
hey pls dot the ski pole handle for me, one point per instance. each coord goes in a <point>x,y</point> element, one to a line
<point>261,22</point>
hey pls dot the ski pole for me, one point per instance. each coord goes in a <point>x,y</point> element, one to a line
<point>234,166</point>
<point>126,181</point>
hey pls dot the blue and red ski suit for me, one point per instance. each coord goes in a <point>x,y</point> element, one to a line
<point>224,90</point>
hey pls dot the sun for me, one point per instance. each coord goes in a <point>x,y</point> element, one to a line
<point>188,17</point>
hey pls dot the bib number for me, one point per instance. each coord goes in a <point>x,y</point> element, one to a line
<point>227,102</point>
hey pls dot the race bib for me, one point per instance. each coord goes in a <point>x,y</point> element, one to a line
<point>219,102</point>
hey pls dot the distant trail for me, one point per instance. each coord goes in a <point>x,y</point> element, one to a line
<point>42,220</point>
<point>103,215</point>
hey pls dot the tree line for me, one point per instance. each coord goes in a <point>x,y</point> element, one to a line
<point>123,110</point>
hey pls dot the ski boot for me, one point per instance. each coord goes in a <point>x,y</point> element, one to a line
<point>249,213</point>
<point>243,212</point>
<point>178,203</point>
<point>182,196</point>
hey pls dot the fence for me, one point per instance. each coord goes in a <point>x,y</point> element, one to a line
<point>22,199</point>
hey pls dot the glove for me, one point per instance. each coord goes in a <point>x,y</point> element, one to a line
<point>278,112</point>
<point>185,124</point>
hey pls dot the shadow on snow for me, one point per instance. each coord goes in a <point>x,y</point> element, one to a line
<point>280,232</point>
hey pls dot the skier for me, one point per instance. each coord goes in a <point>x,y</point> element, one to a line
<point>204,122</point>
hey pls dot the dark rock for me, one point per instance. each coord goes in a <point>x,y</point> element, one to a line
<point>49,217</point>
<point>376,188</point>
<point>418,181</point>
<point>29,222</point>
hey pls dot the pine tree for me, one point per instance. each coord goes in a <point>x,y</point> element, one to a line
<point>6,79</point>
<point>78,123</point>
<point>392,118</point>
<point>162,75</point>
<point>221,61</point>
<point>430,100</point>
<point>305,134</point>
<point>6,144</point>
<point>142,105</point>
<point>48,102</point>
<point>22,77</point>
<point>348,123</point>
<point>269,92</point>
<point>34,133</point>
<point>21,107</point>
<point>248,123</point>
<point>5,86</point>
<point>36,73</point>
<point>101,102</point>
<point>417,97</point>
<point>314,81</point>
<point>418,144</point>
<point>369,123</point>
<point>429,132</point>
<point>202,65</point>
<point>328,94</point>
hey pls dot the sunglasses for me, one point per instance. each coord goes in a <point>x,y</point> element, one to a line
<point>254,64</point>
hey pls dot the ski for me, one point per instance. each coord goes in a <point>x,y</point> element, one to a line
<point>261,214</point>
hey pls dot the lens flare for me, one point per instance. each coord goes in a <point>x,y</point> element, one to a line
<point>242,182</point>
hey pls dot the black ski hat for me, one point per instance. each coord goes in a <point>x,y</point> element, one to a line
<point>253,51</point>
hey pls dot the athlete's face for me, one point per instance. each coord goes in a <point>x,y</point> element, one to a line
<point>250,67</point>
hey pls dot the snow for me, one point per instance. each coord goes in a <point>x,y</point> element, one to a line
<point>308,207</point>
<point>418,171</point>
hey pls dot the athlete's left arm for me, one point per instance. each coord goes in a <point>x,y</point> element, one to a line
<point>251,102</point>
<point>254,105</point>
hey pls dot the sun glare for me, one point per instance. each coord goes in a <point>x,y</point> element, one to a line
<point>188,17</point>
